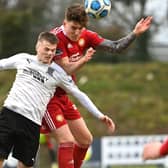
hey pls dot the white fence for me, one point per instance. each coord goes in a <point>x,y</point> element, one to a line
<point>127,150</point>
<point>121,150</point>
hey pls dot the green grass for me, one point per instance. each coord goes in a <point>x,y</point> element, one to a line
<point>134,95</point>
<point>6,78</point>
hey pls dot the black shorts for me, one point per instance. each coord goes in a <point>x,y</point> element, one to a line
<point>20,135</point>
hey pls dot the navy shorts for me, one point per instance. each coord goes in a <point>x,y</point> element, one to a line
<point>20,135</point>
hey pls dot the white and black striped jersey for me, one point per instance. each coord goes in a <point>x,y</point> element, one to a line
<point>35,84</point>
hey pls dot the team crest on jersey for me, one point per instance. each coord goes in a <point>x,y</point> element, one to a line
<point>81,42</point>
<point>59,118</point>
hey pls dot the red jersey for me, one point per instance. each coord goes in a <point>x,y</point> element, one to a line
<point>74,50</point>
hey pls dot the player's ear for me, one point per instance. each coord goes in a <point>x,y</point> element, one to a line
<point>36,47</point>
<point>64,22</point>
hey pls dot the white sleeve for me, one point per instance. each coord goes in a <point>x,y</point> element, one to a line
<point>69,86</point>
<point>9,63</point>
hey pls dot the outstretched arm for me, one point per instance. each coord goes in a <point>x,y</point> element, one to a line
<point>12,62</point>
<point>89,105</point>
<point>142,26</point>
<point>66,83</point>
<point>151,150</point>
<point>72,67</point>
<point>9,63</point>
<point>155,150</point>
<point>121,44</point>
<point>109,123</point>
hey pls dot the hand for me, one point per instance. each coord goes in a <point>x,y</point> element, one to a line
<point>142,25</point>
<point>151,150</point>
<point>89,53</point>
<point>109,122</point>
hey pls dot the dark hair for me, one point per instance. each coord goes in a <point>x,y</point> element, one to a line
<point>50,37</point>
<point>76,13</point>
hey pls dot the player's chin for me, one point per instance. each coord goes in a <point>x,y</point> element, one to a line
<point>75,38</point>
<point>47,60</point>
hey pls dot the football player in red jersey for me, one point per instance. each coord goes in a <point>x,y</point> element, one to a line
<point>155,150</point>
<point>62,117</point>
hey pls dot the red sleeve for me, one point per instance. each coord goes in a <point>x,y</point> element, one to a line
<point>94,39</point>
<point>164,148</point>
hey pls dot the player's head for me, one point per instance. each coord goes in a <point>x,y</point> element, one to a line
<point>75,20</point>
<point>46,47</point>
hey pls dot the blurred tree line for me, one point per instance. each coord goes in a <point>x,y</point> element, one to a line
<point>22,20</point>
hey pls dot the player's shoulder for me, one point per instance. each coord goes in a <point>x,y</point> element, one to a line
<point>56,30</point>
<point>60,34</point>
<point>88,31</point>
<point>23,55</point>
<point>27,56</point>
<point>57,68</point>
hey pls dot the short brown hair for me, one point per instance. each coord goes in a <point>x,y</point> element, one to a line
<point>77,13</point>
<point>50,37</point>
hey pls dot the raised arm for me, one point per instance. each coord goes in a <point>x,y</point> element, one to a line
<point>10,63</point>
<point>65,82</point>
<point>72,67</point>
<point>155,150</point>
<point>121,44</point>
<point>89,105</point>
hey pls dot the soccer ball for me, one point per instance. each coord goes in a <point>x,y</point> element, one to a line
<point>97,8</point>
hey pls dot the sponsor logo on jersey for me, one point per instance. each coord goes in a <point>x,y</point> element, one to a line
<point>35,74</point>
<point>75,57</point>
<point>81,42</point>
